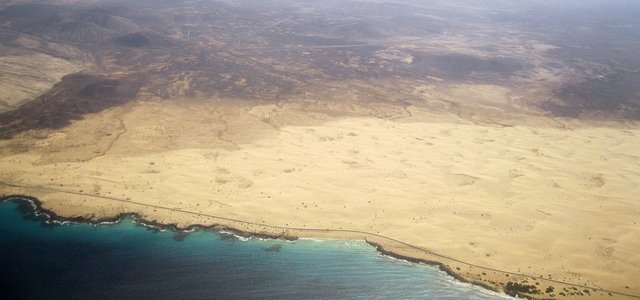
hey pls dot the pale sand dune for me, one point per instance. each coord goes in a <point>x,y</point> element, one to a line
<point>23,78</point>
<point>562,204</point>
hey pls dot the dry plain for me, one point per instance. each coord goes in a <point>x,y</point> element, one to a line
<point>536,197</point>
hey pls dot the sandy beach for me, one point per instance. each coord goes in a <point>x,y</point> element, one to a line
<point>536,199</point>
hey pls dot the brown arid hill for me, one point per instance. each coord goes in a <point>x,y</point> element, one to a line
<point>499,141</point>
<point>82,26</point>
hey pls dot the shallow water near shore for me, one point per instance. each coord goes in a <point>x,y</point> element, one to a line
<point>126,260</point>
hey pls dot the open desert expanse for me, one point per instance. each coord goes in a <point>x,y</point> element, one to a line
<point>538,197</point>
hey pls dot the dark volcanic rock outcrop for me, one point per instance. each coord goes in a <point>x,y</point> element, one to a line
<point>75,95</point>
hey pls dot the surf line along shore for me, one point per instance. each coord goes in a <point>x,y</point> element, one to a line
<point>511,283</point>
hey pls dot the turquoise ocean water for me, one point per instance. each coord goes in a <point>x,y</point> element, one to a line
<point>127,260</point>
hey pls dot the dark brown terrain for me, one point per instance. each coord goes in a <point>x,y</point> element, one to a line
<point>274,50</point>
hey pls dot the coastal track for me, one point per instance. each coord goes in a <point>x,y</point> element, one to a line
<point>323,230</point>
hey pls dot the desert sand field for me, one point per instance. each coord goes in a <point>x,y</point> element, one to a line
<point>529,199</point>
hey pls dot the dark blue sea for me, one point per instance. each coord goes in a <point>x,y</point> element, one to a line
<point>128,260</point>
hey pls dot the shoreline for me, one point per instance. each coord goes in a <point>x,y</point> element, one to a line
<point>517,286</point>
